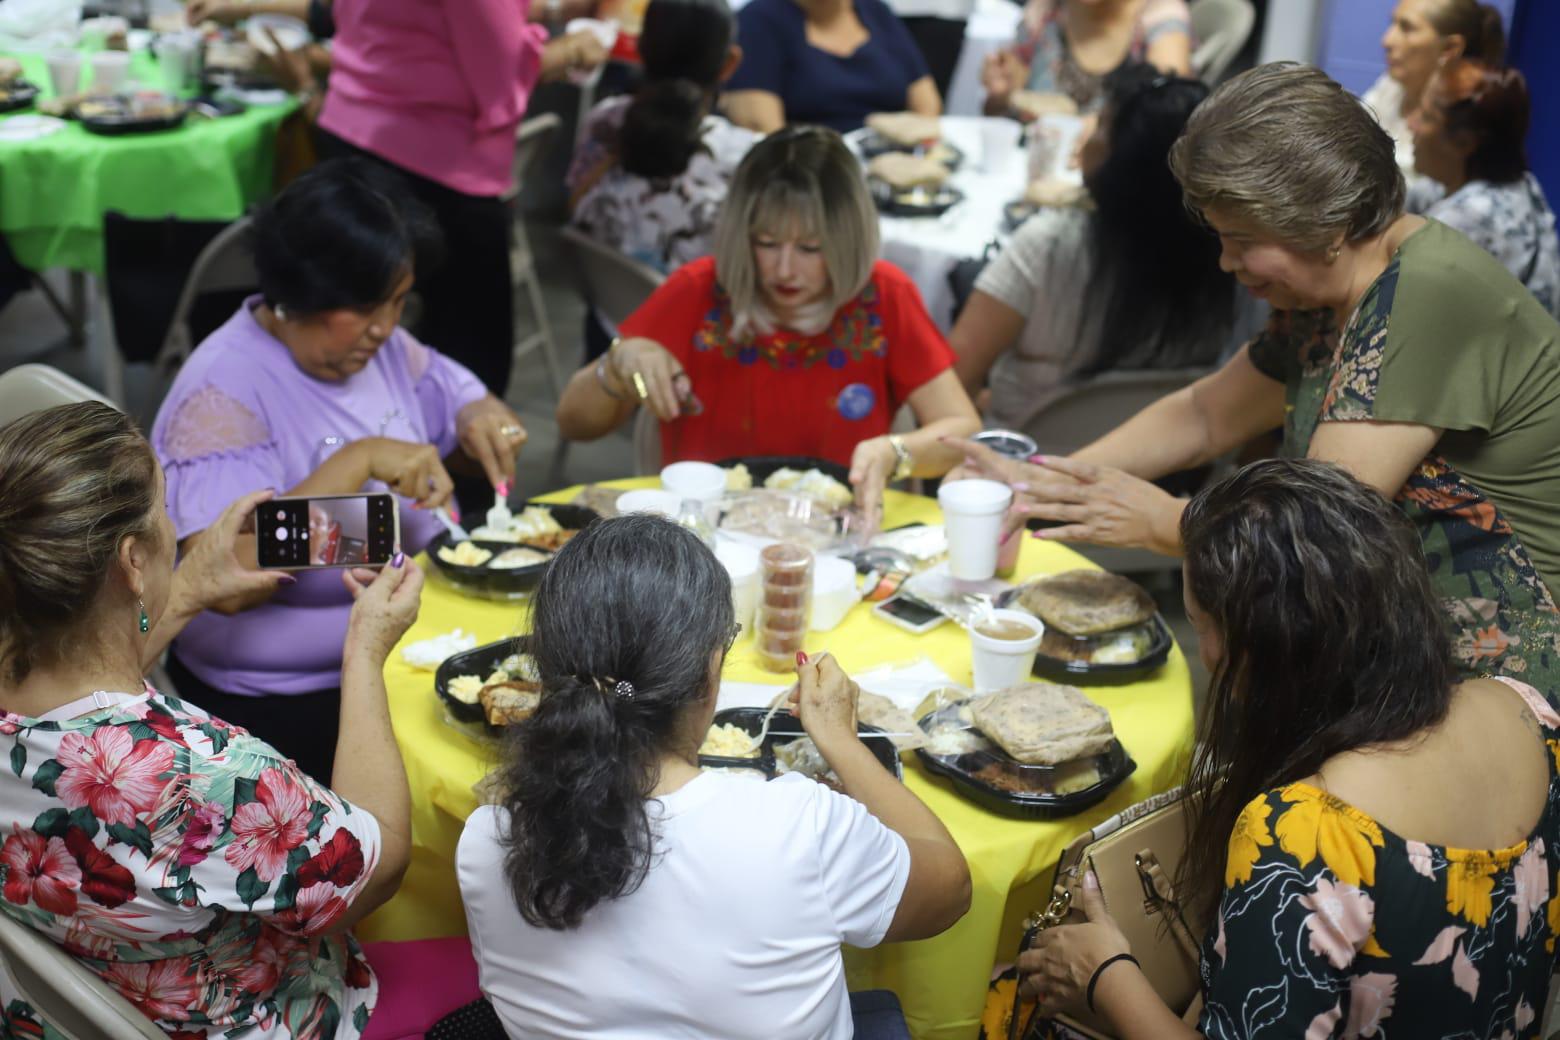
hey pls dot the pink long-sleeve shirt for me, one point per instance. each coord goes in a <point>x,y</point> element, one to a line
<point>435,86</point>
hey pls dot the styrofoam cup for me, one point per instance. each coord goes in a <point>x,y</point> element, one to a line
<point>972,515</point>
<point>649,500</point>
<point>1001,663</point>
<point>65,72</point>
<point>741,562</point>
<point>701,481</point>
<point>110,70</point>
<point>834,592</point>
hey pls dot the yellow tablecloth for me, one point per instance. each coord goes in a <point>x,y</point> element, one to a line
<point>941,982</point>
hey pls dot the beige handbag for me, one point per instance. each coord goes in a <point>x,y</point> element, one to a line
<point>1135,855</point>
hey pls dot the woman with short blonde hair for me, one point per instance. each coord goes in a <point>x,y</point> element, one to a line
<point>793,339</point>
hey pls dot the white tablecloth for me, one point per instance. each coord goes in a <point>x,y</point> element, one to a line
<point>992,27</point>
<point>927,248</point>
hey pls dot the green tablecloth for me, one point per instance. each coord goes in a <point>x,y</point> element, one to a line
<point>55,190</point>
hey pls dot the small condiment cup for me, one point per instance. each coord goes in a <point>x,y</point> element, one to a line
<point>701,481</point>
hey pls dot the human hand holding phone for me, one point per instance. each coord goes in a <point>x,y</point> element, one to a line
<point>386,604</point>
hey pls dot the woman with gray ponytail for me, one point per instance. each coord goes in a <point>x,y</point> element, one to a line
<point>644,897</point>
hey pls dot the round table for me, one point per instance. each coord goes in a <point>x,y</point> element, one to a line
<point>54,190</point>
<point>941,981</point>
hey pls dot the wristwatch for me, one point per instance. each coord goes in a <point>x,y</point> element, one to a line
<point>905,463</point>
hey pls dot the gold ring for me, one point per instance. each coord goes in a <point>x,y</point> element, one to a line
<point>640,388</point>
<point>510,430</point>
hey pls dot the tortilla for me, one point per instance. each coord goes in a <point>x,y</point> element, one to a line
<point>905,129</point>
<point>1037,103</point>
<point>1044,724</point>
<point>1087,602</point>
<point>900,170</point>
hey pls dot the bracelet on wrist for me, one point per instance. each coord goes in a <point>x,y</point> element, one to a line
<point>601,378</point>
<point>1095,978</point>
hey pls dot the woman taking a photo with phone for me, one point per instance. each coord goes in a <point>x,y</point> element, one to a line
<point>182,860</point>
<point>313,389</point>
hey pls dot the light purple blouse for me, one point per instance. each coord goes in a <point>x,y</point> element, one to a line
<point>243,416</point>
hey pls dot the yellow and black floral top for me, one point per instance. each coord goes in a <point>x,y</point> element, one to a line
<point>1332,926</point>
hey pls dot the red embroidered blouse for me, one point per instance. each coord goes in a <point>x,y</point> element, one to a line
<point>787,394</point>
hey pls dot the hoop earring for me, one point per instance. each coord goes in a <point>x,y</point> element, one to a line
<point>146,622</point>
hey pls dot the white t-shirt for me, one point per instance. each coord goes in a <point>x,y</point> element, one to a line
<point>735,933</point>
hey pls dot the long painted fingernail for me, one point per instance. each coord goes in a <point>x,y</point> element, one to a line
<point>454,512</point>
<point>1038,534</point>
<point>801,658</point>
<point>1038,460</point>
<point>287,579</point>
<point>502,488</point>
<point>1019,487</point>
<point>398,560</point>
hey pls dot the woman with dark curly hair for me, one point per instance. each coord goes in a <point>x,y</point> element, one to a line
<point>646,897</point>
<point>1374,840</point>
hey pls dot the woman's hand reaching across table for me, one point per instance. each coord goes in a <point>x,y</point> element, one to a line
<point>1099,505</point>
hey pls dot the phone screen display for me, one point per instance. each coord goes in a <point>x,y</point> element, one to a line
<point>910,611</point>
<point>329,531</point>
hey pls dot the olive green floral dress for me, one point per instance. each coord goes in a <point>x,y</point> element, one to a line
<point>1446,338</point>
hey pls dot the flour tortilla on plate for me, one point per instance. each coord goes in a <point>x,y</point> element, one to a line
<point>905,129</point>
<point>1087,602</point>
<point>1043,724</point>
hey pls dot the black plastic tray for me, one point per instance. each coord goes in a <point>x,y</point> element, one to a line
<point>1114,766</point>
<point>783,729</point>
<point>512,581</point>
<point>117,124</point>
<point>762,467</point>
<point>477,661</point>
<point>17,95</point>
<point>873,144</point>
<point>943,198</point>
<point>1016,212</point>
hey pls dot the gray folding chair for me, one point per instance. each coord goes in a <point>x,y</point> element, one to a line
<point>65,994</point>
<point>614,286</point>
<point>227,264</point>
<point>31,388</point>
<point>1221,28</point>
<point>1089,410</point>
<point>532,141</point>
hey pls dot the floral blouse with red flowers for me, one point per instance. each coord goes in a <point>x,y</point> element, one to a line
<point>190,866</point>
<point>785,393</point>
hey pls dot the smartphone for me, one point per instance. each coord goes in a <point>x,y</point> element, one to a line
<point>327,531</point>
<point>909,613</point>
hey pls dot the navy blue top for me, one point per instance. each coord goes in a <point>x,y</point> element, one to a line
<point>816,86</point>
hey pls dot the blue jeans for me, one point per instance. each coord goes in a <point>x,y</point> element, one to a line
<point>877,1016</point>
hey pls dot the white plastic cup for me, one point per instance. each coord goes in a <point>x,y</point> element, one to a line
<point>1001,663</point>
<point>649,500</point>
<point>701,481</point>
<point>1052,140</point>
<point>64,72</point>
<point>110,70</point>
<point>741,562</point>
<point>999,144</point>
<point>834,592</point>
<point>176,60</point>
<point>972,516</point>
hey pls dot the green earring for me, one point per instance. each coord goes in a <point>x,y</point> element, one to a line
<point>146,622</point>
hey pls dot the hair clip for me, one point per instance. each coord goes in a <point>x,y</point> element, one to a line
<point>624,689</point>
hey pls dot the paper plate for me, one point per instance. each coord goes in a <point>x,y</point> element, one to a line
<point>29,128</point>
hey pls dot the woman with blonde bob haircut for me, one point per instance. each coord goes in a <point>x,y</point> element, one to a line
<point>793,339</point>
<point>1398,349</point>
